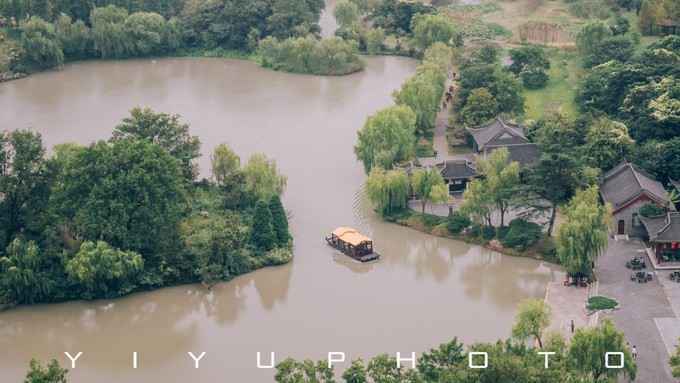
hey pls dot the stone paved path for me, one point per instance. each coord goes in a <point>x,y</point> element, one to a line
<point>566,304</point>
<point>642,305</point>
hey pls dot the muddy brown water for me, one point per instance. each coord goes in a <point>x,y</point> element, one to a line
<point>423,291</point>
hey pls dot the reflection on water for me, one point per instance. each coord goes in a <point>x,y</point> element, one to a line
<point>423,291</point>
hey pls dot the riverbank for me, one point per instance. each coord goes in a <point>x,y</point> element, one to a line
<point>543,250</point>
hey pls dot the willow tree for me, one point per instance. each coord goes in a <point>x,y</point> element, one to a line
<point>439,54</point>
<point>428,185</point>
<point>586,356</point>
<point>532,319</point>
<point>583,235</point>
<point>387,190</point>
<point>387,137</point>
<point>477,203</point>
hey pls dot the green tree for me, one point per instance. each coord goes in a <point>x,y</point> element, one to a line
<point>501,180</point>
<point>216,245</point>
<point>481,106</point>
<point>292,371</point>
<point>225,163</point>
<point>262,178</point>
<point>294,17</point>
<point>104,271</point>
<point>387,190</point>
<point>557,173</point>
<point>388,137</point>
<point>660,158</point>
<point>40,44</point>
<point>583,235</point>
<point>607,143</point>
<point>24,186</point>
<point>534,77</point>
<point>428,185</point>
<point>532,319</point>
<point>23,274</point>
<point>431,28</point>
<point>164,130</point>
<point>356,373</point>
<point>52,373</point>
<point>108,31</point>
<point>422,93</point>
<point>375,38</point>
<point>502,85</point>
<point>279,221</point>
<point>74,37</point>
<point>588,348</point>
<point>434,364</point>
<point>264,236</point>
<point>440,55</point>
<point>590,36</point>
<point>145,32</point>
<point>346,13</point>
<point>528,56</point>
<point>477,202</point>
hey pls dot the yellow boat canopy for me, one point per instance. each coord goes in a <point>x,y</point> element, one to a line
<point>351,236</point>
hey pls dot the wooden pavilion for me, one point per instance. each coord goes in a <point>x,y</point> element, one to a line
<point>352,243</point>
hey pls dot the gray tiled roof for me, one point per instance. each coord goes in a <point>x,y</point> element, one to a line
<point>525,154</point>
<point>457,169</point>
<point>484,134</point>
<point>626,181</point>
<point>665,228</point>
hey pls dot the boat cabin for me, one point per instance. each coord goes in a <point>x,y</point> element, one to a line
<point>352,243</point>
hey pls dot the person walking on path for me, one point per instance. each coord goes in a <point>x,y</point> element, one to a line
<point>572,326</point>
<point>634,352</point>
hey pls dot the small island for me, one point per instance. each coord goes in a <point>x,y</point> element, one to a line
<point>129,214</point>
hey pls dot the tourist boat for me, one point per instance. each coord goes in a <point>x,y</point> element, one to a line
<point>353,244</point>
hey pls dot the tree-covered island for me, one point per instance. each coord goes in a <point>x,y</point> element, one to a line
<point>129,214</point>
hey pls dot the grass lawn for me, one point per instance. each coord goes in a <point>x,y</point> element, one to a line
<point>558,95</point>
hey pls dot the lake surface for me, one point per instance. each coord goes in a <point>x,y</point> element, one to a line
<point>424,291</point>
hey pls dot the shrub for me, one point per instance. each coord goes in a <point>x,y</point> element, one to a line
<point>651,210</point>
<point>599,302</point>
<point>521,234</point>
<point>457,222</point>
<point>431,220</point>
<point>484,232</point>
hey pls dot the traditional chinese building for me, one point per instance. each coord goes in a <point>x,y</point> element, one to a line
<point>663,236</point>
<point>627,188</point>
<point>457,174</point>
<point>502,134</point>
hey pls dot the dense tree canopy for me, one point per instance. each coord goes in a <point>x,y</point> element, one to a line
<point>641,93</point>
<point>41,48</point>
<point>119,216</point>
<point>434,28</point>
<point>128,193</point>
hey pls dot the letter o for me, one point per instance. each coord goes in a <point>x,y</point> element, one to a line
<point>473,353</point>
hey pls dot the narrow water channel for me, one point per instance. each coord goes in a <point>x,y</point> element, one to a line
<point>424,291</point>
